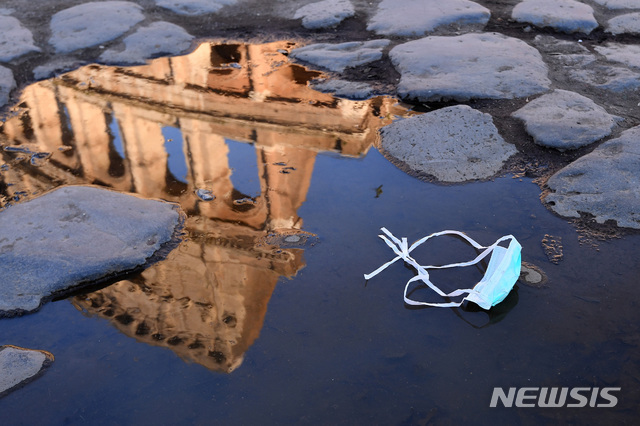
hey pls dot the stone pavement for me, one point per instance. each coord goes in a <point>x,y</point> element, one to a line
<point>76,235</point>
<point>19,366</point>
<point>562,74</point>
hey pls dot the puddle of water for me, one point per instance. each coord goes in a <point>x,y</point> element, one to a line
<point>262,315</point>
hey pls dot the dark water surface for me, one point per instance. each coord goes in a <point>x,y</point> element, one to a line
<point>262,314</point>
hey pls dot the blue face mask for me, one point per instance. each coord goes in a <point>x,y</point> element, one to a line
<point>502,272</point>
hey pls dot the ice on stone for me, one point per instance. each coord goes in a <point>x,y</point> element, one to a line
<point>604,183</point>
<point>7,84</point>
<point>337,57</point>
<point>194,7</point>
<point>18,365</point>
<point>418,17</point>
<point>565,120</point>
<point>15,40</point>
<point>324,14</point>
<point>76,235</point>
<point>147,42</point>
<point>469,66</point>
<point>568,16</point>
<point>90,24</point>
<point>454,144</point>
<point>624,24</point>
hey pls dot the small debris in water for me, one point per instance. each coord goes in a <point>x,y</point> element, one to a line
<point>37,156</point>
<point>205,195</point>
<point>243,201</point>
<point>587,299</point>
<point>553,248</point>
<point>18,149</point>
<point>293,238</point>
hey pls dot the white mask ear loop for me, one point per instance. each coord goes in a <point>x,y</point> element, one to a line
<point>402,250</point>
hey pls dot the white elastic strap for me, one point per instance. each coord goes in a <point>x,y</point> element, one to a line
<point>434,287</point>
<point>402,250</point>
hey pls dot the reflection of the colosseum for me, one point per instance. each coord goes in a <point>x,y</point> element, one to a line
<point>166,129</point>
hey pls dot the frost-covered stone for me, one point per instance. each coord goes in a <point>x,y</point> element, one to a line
<point>18,366</point>
<point>194,7</point>
<point>568,16</point>
<point>565,120</point>
<point>147,42</point>
<point>344,89</point>
<point>624,24</point>
<point>604,183</point>
<point>619,4</point>
<point>90,24</point>
<point>337,57</point>
<point>7,84</point>
<point>76,235</point>
<point>324,14</point>
<point>454,144</point>
<point>469,66</point>
<point>15,40</point>
<point>418,17</point>
<point>628,55</point>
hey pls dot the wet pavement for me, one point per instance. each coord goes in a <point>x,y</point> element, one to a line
<point>285,186</point>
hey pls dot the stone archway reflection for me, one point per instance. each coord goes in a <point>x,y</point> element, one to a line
<point>109,125</point>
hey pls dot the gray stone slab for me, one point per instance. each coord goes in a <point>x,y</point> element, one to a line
<point>628,23</point>
<point>608,77</point>
<point>454,144</point>
<point>324,14</point>
<point>344,89</point>
<point>338,57</point>
<point>565,120</point>
<point>469,66</point>
<point>568,16</point>
<point>619,4</point>
<point>148,42</point>
<point>90,24</point>
<point>15,40</point>
<point>194,7</point>
<point>564,52</point>
<point>7,84</point>
<point>76,235</point>
<point>626,54</point>
<point>56,66</point>
<point>19,366</point>
<point>604,183</point>
<point>418,17</point>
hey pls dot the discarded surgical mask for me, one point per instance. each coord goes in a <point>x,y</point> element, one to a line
<point>501,274</point>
